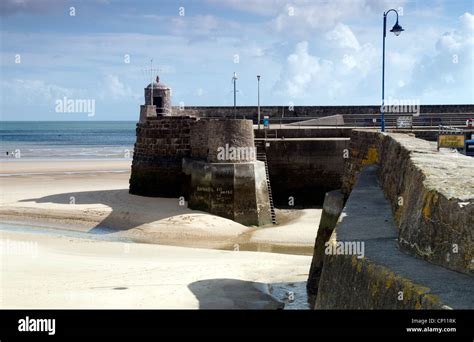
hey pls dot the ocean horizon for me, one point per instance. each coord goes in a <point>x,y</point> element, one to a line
<point>22,140</point>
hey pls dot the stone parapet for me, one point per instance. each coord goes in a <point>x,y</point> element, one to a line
<point>364,267</point>
<point>431,194</point>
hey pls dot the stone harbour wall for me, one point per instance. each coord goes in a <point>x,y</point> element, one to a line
<point>362,284</point>
<point>161,144</point>
<point>305,169</point>
<point>210,136</point>
<point>250,112</point>
<point>363,266</point>
<point>177,156</point>
<point>431,194</point>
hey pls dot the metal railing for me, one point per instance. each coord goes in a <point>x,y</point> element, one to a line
<point>367,120</point>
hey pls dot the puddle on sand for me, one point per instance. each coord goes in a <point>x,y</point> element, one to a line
<point>293,295</point>
<point>99,233</point>
<point>269,248</point>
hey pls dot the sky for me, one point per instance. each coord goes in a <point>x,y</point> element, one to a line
<point>308,52</point>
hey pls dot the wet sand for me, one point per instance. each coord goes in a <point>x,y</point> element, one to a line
<point>89,196</point>
<point>43,271</point>
<point>133,259</point>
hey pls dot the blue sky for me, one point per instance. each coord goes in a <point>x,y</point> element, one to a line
<point>324,52</point>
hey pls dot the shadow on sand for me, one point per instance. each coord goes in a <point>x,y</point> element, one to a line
<point>128,211</point>
<point>233,294</point>
<point>241,294</point>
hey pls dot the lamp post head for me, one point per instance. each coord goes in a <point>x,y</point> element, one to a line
<point>258,77</point>
<point>397,29</point>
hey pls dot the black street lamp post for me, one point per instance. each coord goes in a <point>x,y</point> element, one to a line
<point>396,29</point>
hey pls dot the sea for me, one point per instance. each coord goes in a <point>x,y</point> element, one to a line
<point>26,140</point>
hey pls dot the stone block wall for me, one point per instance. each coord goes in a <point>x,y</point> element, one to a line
<point>284,132</point>
<point>350,283</point>
<point>161,144</point>
<point>305,169</point>
<point>147,111</point>
<point>208,136</point>
<point>431,194</point>
<point>364,267</point>
<point>250,112</point>
<point>177,156</point>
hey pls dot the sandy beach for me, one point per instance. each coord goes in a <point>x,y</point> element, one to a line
<point>92,195</point>
<point>91,198</point>
<point>42,271</point>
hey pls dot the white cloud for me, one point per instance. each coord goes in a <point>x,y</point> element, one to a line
<point>197,25</point>
<point>116,89</point>
<point>260,7</point>
<point>344,37</point>
<point>450,41</point>
<point>449,71</point>
<point>467,21</point>
<point>334,78</point>
<point>310,16</point>
<point>199,92</point>
<point>9,7</point>
<point>302,70</point>
<point>403,60</point>
<point>34,91</point>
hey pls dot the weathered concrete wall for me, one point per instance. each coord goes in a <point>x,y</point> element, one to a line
<point>332,208</point>
<point>161,144</point>
<point>305,169</point>
<point>431,193</point>
<point>237,191</point>
<point>230,184</point>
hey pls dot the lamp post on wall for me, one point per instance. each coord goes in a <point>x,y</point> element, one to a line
<point>258,101</point>
<point>234,79</point>
<point>396,29</point>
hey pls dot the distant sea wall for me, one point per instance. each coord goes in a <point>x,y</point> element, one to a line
<point>276,112</point>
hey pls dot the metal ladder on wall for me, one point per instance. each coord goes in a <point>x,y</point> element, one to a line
<point>262,156</point>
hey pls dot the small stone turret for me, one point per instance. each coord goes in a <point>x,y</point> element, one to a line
<point>157,101</point>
